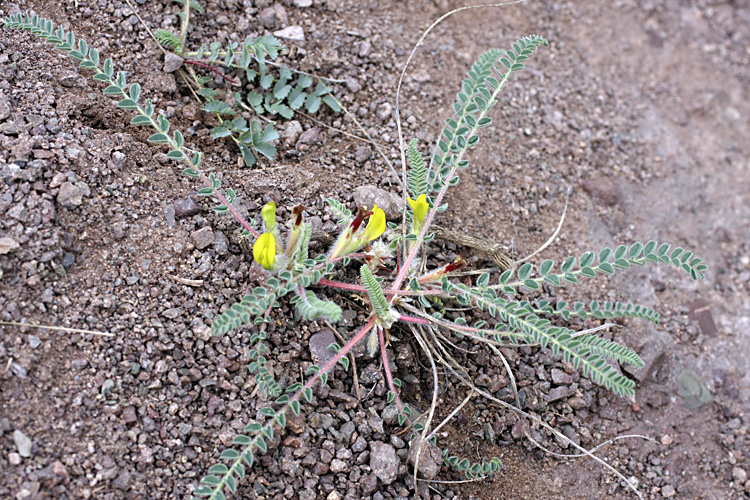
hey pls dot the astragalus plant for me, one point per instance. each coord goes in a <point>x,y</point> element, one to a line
<point>400,290</point>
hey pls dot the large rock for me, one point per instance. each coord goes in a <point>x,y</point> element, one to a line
<point>23,443</point>
<point>186,207</point>
<point>8,245</point>
<point>4,107</point>
<point>430,458</point>
<point>370,195</point>
<point>294,33</point>
<point>203,237</point>
<point>384,462</point>
<point>319,346</point>
<point>653,354</point>
<point>70,195</point>
<point>172,62</point>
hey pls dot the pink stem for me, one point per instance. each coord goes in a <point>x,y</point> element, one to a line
<point>222,199</point>
<point>196,63</point>
<point>412,319</point>
<point>342,352</point>
<point>387,369</point>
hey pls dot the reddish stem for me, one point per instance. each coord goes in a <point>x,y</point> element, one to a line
<point>412,319</point>
<point>387,369</point>
<point>342,352</point>
<point>202,65</point>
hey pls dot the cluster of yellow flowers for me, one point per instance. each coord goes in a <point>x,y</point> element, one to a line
<point>268,247</point>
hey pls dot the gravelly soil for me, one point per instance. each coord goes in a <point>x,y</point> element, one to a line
<point>640,108</point>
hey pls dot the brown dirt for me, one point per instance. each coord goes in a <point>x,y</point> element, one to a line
<point>640,107</point>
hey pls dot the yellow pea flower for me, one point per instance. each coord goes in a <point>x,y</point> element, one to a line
<point>354,237</point>
<point>420,207</point>
<point>268,214</point>
<point>375,226</point>
<point>264,251</point>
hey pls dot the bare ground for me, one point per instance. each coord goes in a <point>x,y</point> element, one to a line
<point>640,107</point>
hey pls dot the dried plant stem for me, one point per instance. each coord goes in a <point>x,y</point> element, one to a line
<point>58,328</point>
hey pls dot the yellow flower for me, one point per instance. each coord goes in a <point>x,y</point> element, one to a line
<point>420,207</point>
<point>268,214</point>
<point>375,226</point>
<point>264,250</point>
<point>353,237</point>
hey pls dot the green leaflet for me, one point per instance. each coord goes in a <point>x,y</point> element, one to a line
<point>417,171</point>
<point>311,307</point>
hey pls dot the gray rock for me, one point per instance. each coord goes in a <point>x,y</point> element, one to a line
<point>69,80</point>
<point>559,377</point>
<point>294,33</point>
<point>128,416</point>
<point>602,190</point>
<point>319,346</point>
<point>359,445</point>
<point>292,132</point>
<point>79,364</point>
<point>70,195</point>
<point>267,17</point>
<point>384,462</point>
<point>385,112</point>
<point>310,136</point>
<point>350,402</point>
<point>19,370</point>
<point>370,195</point>
<point>339,466</point>
<point>123,481</point>
<point>421,76</point>
<point>118,159</point>
<point>18,212</point>
<point>222,244</point>
<point>369,484</point>
<point>34,120</point>
<point>186,207</point>
<point>365,49</point>
<point>172,62</point>
<point>653,354</point>
<point>203,237</point>
<point>363,154</point>
<point>352,84</point>
<point>23,443</point>
<point>172,312</point>
<point>118,230</point>
<point>68,260</point>
<point>739,475</point>
<point>109,473</point>
<point>8,245</point>
<point>390,414</point>
<point>4,108</point>
<point>430,458</point>
<point>11,128</point>
<point>375,422</point>
<point>34,341</point>
<point>558,393</point>
<point>169,216</point>
<point>302,3</point>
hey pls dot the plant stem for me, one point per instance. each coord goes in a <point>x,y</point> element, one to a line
<point>202,65</point>
<point>446,184</point>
